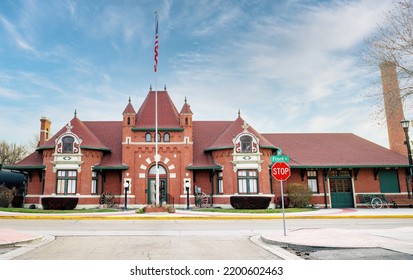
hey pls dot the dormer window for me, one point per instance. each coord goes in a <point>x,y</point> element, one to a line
<point>68,144</point>
<point>246,144</point>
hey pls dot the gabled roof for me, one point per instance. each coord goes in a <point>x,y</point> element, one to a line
<point>112,140</point>
<point>334,150</point>
<point>89,139</point>
<point>224,139</point>
<point>32,161</point>
<point>218,135</point>
<point>95,135</point>
<point>204,134</point>
<point>168,116</point>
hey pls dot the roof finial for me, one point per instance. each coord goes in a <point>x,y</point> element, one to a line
<point>164,87</point>
<point>69,127</point>
<point>185,100</point>
<point>75,113</point>
<point>129,99</point>
<point>239,113</point>
<point>245,126</point>
<point>150,87</point>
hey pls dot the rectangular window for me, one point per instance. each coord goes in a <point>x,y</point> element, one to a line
<point>247,181</point>
<point>220,183</point>
<point>94,189</point>
<point>340,185</point>
<point>312,180</point>
<point>66,182</point>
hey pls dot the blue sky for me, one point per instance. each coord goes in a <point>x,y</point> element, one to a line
<point>289,66</point>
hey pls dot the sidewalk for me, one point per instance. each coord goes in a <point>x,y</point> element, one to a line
<point>399,239</point>
<point>334,213</point>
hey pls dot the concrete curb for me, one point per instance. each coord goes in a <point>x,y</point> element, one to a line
<point>276,250</point>
<point>22,241</point>
<point>216,217</point>
<point>28,246</point>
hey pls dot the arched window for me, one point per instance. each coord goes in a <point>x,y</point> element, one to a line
<point>68,144</point>
<point>246,144</point>
<point>148,137</point>
<point>162,170</point>
<point>159,137</point>
<point>166,137</point>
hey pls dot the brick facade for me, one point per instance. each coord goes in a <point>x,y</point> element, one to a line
<point>204,154</point>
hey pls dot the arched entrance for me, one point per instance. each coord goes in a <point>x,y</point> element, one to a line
<point>163,184</point>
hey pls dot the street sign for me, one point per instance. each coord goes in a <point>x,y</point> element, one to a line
<point>280,171</point>
<point>280,158</point>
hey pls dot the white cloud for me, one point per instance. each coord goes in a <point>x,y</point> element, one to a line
<point>15,35</point>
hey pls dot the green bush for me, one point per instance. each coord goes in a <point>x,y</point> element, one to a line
<point>250,202</point>
<point>6,196</point>
<point>59,203</point>
<point>300,195</point>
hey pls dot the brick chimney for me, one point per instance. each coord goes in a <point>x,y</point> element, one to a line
<point>44,130</point>
<point>393,107</point>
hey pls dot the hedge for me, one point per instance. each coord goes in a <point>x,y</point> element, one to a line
<point>250,202</point>
<point>59,203</point>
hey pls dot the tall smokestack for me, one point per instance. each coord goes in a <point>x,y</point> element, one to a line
<point>44,130</point>
<point>393,107</point>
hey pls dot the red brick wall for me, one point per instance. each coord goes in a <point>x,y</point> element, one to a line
<point>393,107</point>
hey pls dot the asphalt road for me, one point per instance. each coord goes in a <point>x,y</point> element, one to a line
<point>182,240</point>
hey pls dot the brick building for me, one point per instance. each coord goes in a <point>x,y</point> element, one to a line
<point>86,159</point>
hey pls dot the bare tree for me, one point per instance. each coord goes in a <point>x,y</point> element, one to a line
<point>11,153</point>
<point>32,144</point>
<point>393,42</point>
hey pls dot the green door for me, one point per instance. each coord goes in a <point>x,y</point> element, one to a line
<point>163,188</point>
<point>341,193</point>
<point>389,181</point>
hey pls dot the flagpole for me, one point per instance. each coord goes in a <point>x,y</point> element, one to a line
<point>156,113</point>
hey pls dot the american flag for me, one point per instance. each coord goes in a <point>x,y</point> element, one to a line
<point>155,67</point>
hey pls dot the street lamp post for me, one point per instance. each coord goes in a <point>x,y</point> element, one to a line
<point>187,194</point>
<point>405,125</point>
<point>126,187</point>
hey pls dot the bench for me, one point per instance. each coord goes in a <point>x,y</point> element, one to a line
<point>402,201</point>
<point>373,200</point>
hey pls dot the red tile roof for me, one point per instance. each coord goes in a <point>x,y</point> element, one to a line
<point>186,108</point>
<point>168,116</point>
<point>129,109</point>
<point>89,139</point>
<point>334,150</point>
<point>32,161</point>
<point>112,140</point>
<point>224,139</point>
<point>218,135</point>
<point>204,134</point>
<point>95,135</point>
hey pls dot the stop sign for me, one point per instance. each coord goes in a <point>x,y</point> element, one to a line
<point>280,171</point>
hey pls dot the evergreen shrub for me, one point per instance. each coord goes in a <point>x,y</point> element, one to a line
<point>250,202</point>
<point>59,203</point>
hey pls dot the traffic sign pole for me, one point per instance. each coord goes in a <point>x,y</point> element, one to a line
<point>282,206</point>
<point>281,172</point>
